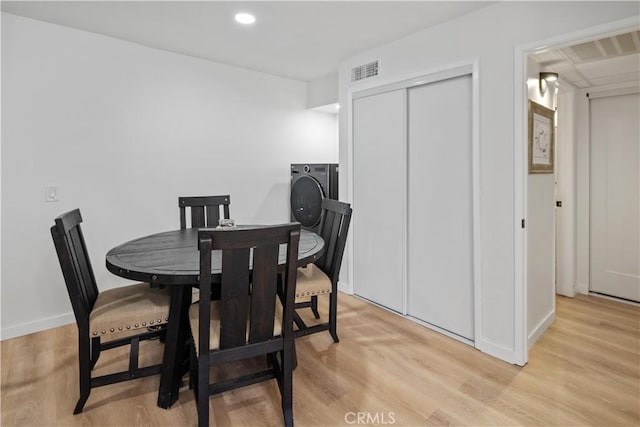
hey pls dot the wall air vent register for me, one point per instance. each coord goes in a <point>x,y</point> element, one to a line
<point>364,71</point>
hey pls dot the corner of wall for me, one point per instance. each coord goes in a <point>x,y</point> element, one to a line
<point>541,328</point>
<point>500,352</point>
<point>322,91</point>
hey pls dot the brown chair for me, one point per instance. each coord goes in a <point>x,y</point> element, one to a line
<point>251,318</point>
<point>109,314</point>
<point>322,277</point>
<point>205,210</point>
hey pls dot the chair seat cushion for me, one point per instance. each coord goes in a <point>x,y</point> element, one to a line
<point>312,281</point>
<point>214,326</point>
<point>128,308</point>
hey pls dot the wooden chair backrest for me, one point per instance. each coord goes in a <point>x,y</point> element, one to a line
<point>334,227</point>
<point>249,284</point>
<point>75,264</point>
<point>205,210</point>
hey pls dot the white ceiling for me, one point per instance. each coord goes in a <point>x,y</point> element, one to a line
<point>601,62</point>
<point>303,40</point>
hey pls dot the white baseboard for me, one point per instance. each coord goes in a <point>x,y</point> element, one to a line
<point>36,326</point>
<point>345,287</point>
<point>582,288</point>
<point>620,300</point>
<point>541,328</point>
<point>440,330</point>
<point>571,292</point>
<point>498,351</point>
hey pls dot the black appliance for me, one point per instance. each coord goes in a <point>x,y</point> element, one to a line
<point>310,183</point>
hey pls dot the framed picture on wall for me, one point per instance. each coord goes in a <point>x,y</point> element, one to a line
<point>541,138</point>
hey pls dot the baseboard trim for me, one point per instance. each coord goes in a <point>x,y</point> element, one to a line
<point>36,326</point>
<point>610,298</point>
<point>495,350</point>
<point>582,288</point>
<point>535,335</point>
<point>498,351</point>
<point>442,331</point>
<point>571,292</point>
<point>345,287</point>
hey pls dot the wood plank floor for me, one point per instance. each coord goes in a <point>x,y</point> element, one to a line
<point>386,370</point>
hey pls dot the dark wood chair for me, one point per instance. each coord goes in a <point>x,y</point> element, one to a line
<point>110,314</point>
<point>251,318</point>
<point>205,210</point>
<point>322,276</point>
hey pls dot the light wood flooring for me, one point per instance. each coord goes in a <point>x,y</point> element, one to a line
<point>386,370</point>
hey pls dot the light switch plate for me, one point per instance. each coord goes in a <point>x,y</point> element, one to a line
<point>51,193</point>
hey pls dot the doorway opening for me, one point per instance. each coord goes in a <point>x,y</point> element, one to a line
<point>556,244</point>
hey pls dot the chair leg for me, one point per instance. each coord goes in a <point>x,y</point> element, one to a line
<point>193,370</point>
<point>95,350</point>
<point>314,306</point>
<point>287,385</point>
<point>203,390</point>
<point>288,417</point>
<point>84,395</point>
<point>294,357</point>
<point>298,321</point>
<point>84,359</point>
<point>333,315</point>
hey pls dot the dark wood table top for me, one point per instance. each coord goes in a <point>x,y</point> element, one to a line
<point>172,257</point>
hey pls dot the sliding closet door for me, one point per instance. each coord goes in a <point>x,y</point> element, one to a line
<point>379,164</point>
<point>440,205</point>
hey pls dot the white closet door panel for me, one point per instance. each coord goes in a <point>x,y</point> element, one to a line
<point>378,197</point>
<point>615,190</point>
<point>440,197</point>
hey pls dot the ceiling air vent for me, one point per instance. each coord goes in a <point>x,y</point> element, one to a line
<point>364,71</point>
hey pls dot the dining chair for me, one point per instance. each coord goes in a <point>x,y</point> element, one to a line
<point>322,276</point>
<point>251,318</point>
<point>120,316</point>
<point>205,210</point>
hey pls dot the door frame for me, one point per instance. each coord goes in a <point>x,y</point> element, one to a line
<point>377,86</point>
<point>521,161</point>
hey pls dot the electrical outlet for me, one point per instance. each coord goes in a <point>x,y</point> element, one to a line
<point>51,193</point>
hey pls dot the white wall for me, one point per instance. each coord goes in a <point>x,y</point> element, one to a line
<point>540,229</point>
<point>490,35</point>
<point>323,91</point>
<point>124,130</point>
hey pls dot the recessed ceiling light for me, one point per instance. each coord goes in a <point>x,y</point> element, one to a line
<point>245,18</point>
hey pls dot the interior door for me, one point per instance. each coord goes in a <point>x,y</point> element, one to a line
<point>614,198</point>
<point>440,199</point>
<point>378,198</point>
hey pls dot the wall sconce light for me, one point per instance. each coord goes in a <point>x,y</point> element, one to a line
<point>547,77</point>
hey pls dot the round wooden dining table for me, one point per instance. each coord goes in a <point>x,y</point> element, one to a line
<point>172,259</point>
